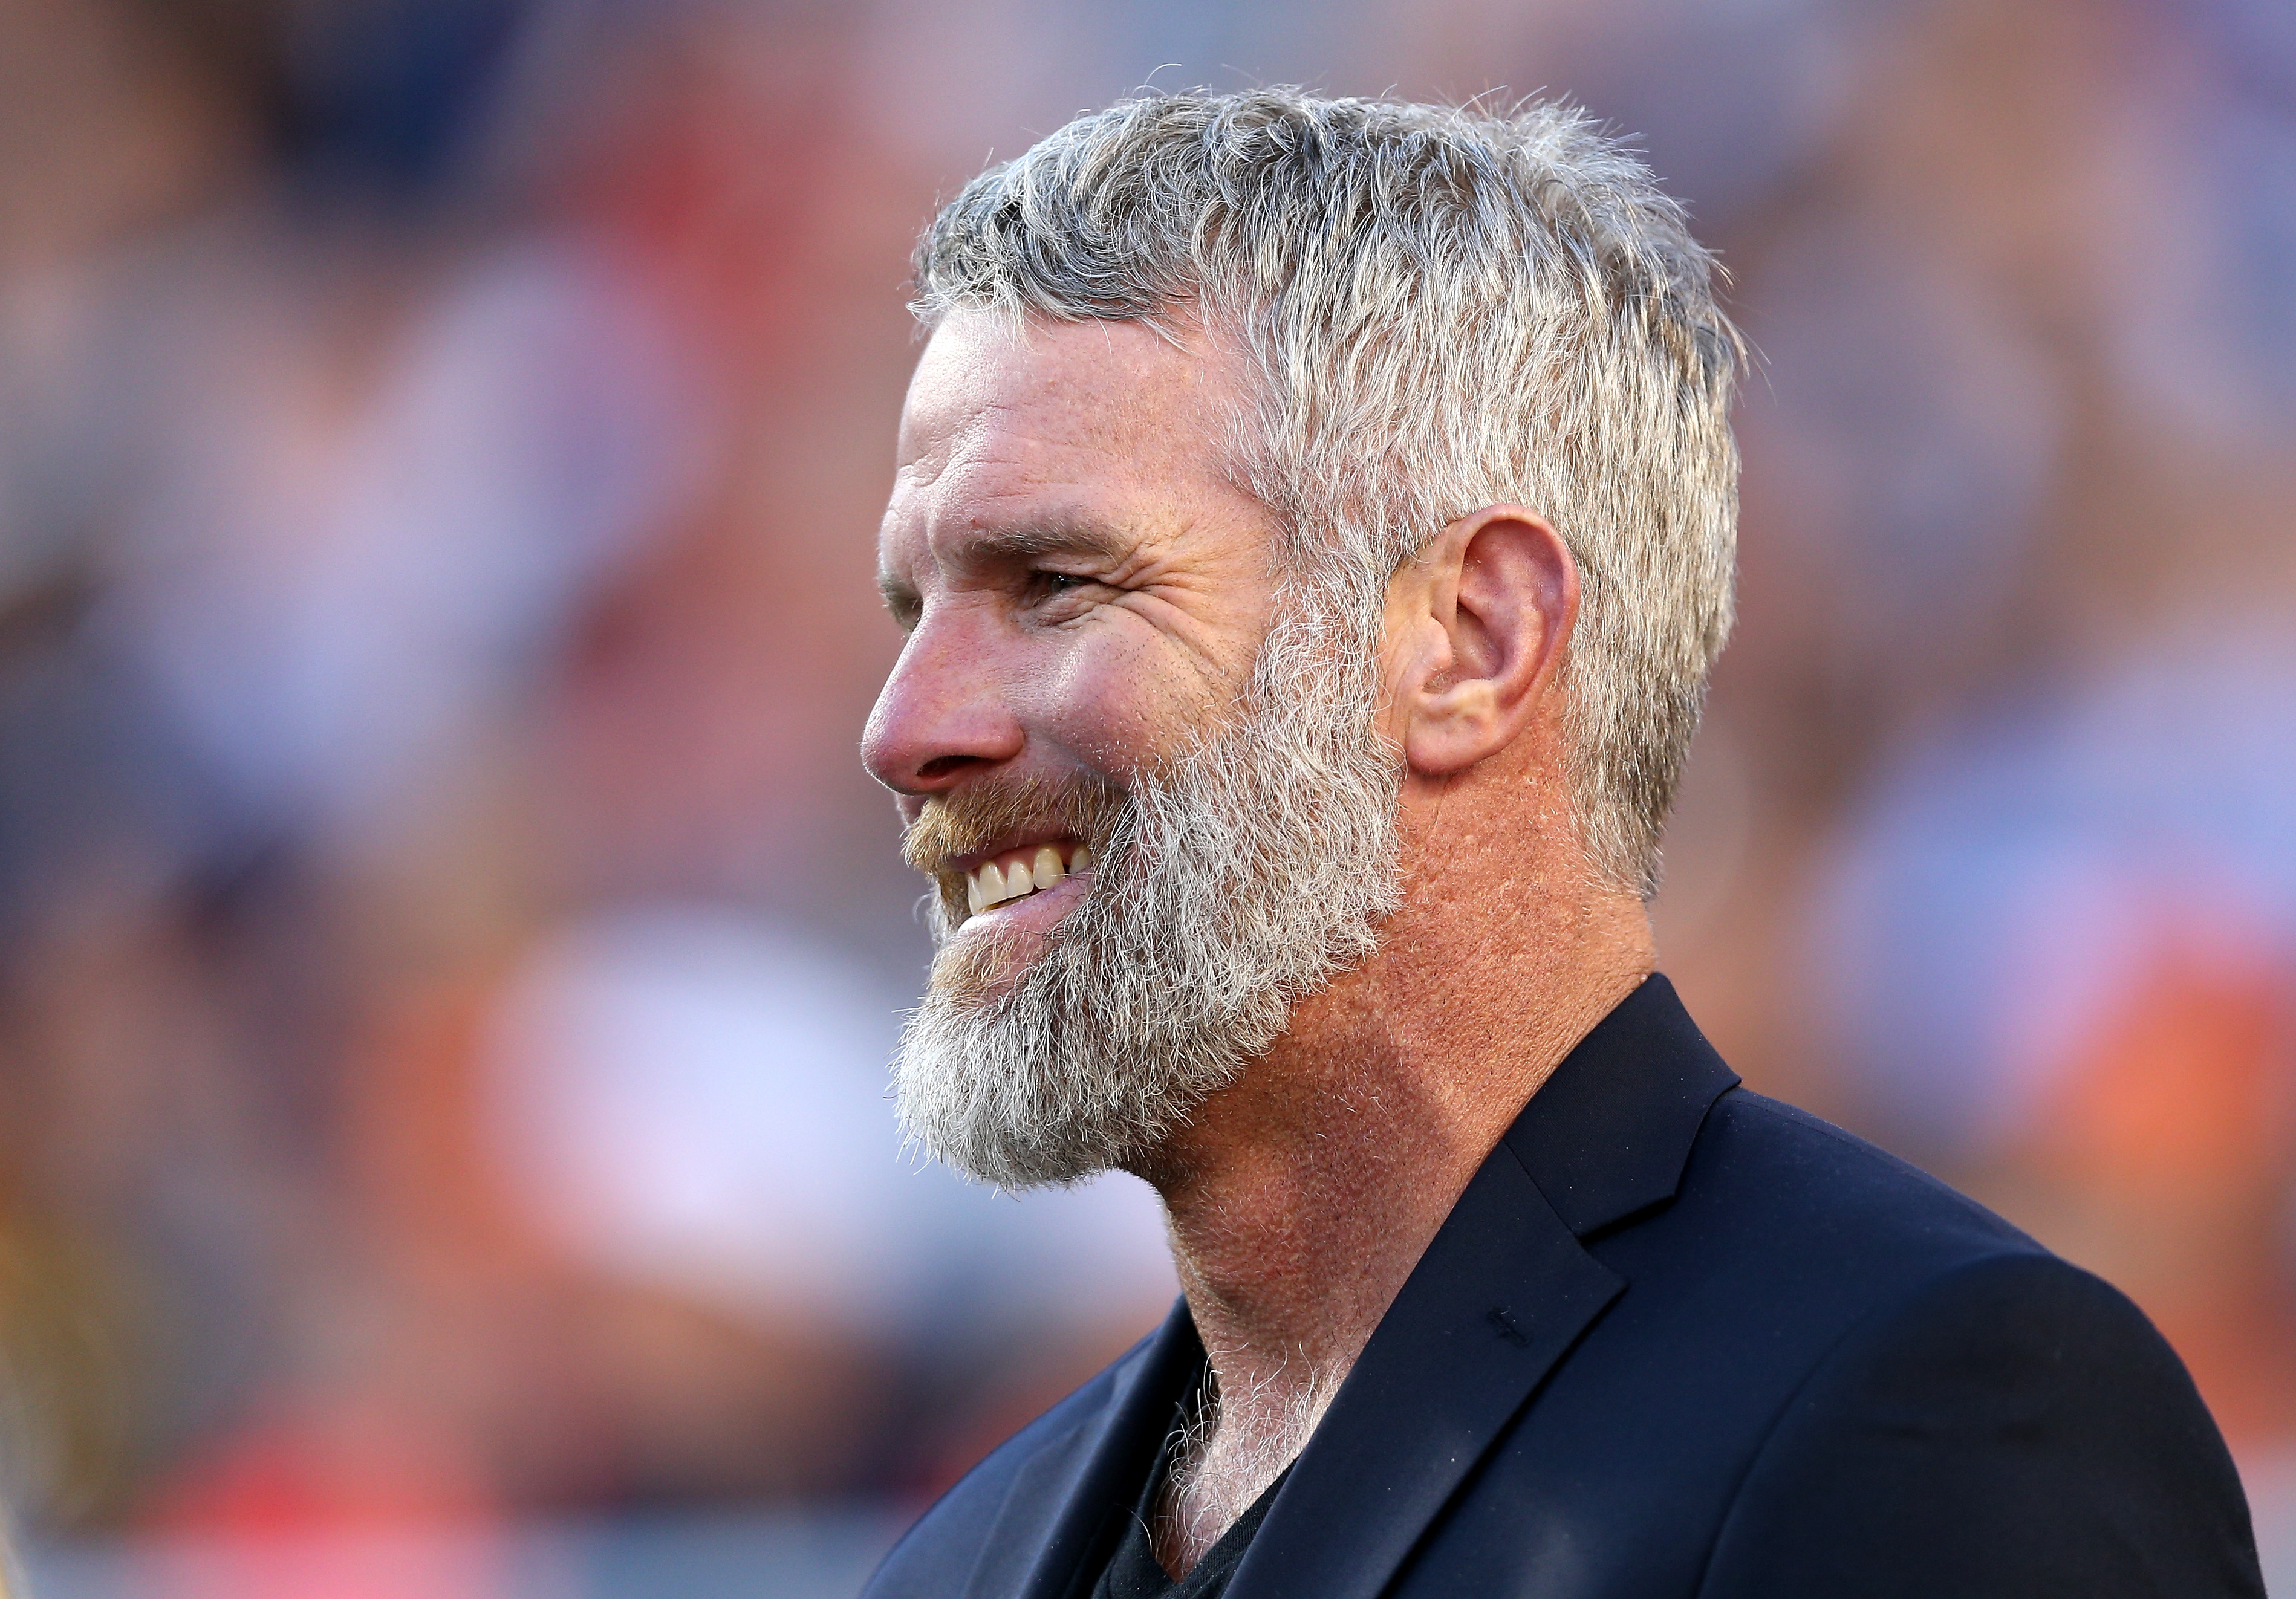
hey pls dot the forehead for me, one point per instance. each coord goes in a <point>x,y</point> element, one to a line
<point>1094,420</point>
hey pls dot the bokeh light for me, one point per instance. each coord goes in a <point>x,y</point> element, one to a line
<point>450,950</point>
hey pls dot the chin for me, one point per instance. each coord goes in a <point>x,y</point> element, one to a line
<point>980,966</point>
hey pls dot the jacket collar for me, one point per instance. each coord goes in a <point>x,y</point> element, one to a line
<point>1606,1137</point>
<point>1503,1293</point>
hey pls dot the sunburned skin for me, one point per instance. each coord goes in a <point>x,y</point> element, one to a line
<point>1080,591</point>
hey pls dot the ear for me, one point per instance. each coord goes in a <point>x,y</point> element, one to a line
<point>1475,631</point>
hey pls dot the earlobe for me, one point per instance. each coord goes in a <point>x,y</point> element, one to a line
<point>1490,607</point>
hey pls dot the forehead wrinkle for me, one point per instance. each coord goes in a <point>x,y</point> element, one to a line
<point>1010,450</point>
<point>1000,498</point>
<point>942,449</point>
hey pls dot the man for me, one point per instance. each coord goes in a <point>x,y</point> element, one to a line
<point>1313,529</point>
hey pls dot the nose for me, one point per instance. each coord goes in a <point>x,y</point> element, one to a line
<point>941,715</point>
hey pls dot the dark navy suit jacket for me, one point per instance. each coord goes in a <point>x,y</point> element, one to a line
<point>1675,1339</point>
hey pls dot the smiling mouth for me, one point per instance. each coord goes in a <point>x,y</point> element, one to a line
<point>1018,874</point>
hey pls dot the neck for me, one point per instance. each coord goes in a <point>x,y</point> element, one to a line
<point>1301,1199</point>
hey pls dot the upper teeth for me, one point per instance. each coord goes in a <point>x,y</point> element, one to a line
<point>994,884</point>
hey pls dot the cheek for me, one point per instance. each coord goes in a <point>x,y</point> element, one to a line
<point>1117,702</point>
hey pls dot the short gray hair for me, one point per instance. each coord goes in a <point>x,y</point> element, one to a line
<point>1444,308</point>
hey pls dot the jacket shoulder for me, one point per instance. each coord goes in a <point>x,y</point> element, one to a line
<point>1783,1233</point>
<point>1787,1170</point>
<point>2010,1425</point>
<point>1972,1414</point>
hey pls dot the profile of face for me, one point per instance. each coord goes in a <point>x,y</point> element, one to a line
<point>1136,754</point>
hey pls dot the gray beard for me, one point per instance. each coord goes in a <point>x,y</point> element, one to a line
<point>1241,877</point>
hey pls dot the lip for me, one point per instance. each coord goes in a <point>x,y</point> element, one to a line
<point>1034,913</point>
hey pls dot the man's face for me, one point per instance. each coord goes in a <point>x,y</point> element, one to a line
<point>1082,590</point>
<point>1141,772</point>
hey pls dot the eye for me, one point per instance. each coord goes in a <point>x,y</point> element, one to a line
<point>1048,584</point>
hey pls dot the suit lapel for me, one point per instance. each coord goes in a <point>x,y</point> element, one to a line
<point>1503,1292</point>
<point>1606,1137</point>
<point>1060,1503</point>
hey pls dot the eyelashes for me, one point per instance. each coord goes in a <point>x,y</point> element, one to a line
<point>1047,589</point>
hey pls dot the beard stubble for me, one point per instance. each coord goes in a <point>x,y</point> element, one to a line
<point>1229,882</point>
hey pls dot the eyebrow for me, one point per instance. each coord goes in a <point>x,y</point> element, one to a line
<point>1051,536</point>
<point>1009,546</point>
<point>899,598</point>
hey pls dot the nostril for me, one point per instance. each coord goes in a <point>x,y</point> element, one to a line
<point>946,765</point>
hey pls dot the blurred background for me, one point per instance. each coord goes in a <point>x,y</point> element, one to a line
<point>449,951</point>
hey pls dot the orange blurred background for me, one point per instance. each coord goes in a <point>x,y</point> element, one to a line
<point>449,951</point>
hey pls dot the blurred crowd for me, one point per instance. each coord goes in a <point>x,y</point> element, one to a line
<point>449,951</point>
